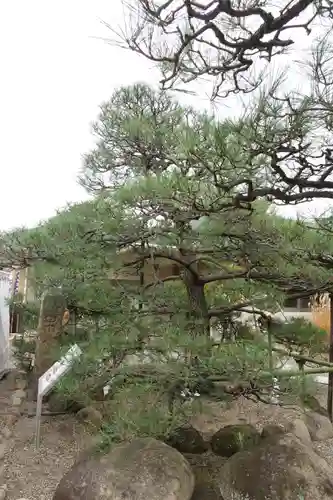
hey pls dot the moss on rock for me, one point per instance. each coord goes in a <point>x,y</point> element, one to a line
<point>234,438</point>
<point>187,439</point>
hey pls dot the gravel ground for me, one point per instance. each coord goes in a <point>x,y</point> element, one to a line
<point>255,413</point>
<point>34,474</point>
<point>324,448</point>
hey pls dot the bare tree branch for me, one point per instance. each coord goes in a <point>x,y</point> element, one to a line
<point>191,39</point>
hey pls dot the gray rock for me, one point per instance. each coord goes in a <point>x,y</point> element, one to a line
<point>19,393</point>
<point>319,426</point>
<point>187,439</point>
<point>144,469</point>
<point>16,401</point>
<point>312,404</point>
<point>300,430</point>
<point>278,469</point>
<point>233,438</point>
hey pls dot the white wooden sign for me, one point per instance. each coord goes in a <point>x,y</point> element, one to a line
<point>48,380</point>
<point>57,370</point>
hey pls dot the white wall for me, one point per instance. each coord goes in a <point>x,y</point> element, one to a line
<point>5,292</point>
<point>288,314</point>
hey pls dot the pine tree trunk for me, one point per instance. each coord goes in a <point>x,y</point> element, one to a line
<point>198,319</point>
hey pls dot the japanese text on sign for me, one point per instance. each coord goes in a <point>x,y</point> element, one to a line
<point>57,370</point>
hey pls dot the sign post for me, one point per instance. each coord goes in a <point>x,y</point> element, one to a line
<point>48,380</point>
<point>38,418</point>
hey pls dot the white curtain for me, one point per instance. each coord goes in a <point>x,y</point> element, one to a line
<point>5,293</point>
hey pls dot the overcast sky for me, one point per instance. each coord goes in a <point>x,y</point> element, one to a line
<point>54,74</point>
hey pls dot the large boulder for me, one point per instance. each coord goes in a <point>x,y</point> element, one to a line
<point>234,438</point>
<point>300,430</point>
<point>280,468</point>
<point>319,426</point>
<point>187,439</point>
<point>144,469</point>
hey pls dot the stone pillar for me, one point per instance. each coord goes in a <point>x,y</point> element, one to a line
<point>53,316</point>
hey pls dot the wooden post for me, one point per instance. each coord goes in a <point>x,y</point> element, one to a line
<point>270,345</point>
<point>330,375</point>
<point>141,270</point>
<point>53,316</point>
<point>274,398</point>
<point>301,364</point>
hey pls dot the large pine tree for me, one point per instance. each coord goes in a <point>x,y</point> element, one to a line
<point>165,249</point>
